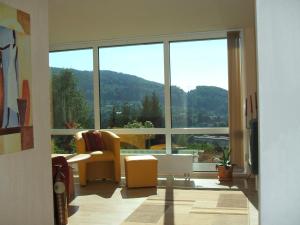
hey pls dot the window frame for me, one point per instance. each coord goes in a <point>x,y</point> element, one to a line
<point>165,40</point>
<point>99,69</point>
<point>51,97</point>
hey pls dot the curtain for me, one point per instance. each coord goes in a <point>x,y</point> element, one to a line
<point>235,98</point>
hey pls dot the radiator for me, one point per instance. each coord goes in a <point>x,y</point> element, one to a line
<point>176,165</point>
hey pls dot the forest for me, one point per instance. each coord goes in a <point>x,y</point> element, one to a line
<point>126,98</point>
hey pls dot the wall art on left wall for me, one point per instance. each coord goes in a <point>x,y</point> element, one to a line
<point>16,127</point>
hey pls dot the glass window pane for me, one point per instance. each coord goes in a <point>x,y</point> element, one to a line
<point>72,89</point>
<point>63,144</point>
<point>207,150</point>
<point>199,83</point>
<point>132,86</point>
<point>143,143</point>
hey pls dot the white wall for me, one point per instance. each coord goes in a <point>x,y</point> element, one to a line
<point>25,185</point>
<point>75,20</point>
<point>278,35</point>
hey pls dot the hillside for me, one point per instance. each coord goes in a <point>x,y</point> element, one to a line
<point>205,106</point>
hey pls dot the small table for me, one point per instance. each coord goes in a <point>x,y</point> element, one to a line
<point>73,158</point>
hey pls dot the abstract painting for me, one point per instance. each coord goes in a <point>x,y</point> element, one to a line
<point>16,127</point>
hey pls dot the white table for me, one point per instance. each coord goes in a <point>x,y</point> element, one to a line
<point>73,158</point>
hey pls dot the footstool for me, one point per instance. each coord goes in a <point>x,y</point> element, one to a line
<point>141,171</point>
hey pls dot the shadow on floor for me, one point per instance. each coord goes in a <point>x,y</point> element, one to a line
<point>72,209</point>
<point>102,188</point>
<point>247,186</point>
<point>170,181</point>
<point>138,192</point>
<point>252,197</point>
<point>169,205</point>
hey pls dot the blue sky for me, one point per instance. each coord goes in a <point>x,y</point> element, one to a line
<point>76,59</point>
<point>193,63</point>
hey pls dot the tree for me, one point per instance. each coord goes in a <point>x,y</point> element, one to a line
<point>156,111</point>
<point>145,112</point>
<point>70,109</point>
<point>136,124</point>
<point>151,110</point>
<point>69,104</point>
<point>113,118</point>
<point>126,114</point>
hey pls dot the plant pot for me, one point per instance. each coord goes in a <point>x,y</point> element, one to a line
<point>225,173</point>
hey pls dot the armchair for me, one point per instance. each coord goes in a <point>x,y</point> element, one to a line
<point>101,164</point>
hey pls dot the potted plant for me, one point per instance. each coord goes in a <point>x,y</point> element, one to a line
<point>225,167</point>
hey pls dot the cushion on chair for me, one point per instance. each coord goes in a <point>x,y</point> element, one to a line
<point>93,140</point>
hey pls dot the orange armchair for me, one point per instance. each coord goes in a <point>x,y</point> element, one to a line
<point>104,164</point>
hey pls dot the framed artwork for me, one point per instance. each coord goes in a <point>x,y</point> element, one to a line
<point>16,127</point>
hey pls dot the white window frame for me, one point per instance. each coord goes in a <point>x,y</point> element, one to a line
<point>166,40</point>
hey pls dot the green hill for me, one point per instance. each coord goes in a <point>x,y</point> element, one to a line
<point>205,106</point>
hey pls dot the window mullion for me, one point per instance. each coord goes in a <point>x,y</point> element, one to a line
<point>97,119</point>
<point>167,73</point>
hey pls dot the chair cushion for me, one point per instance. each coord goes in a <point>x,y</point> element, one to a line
<point>93,140</point>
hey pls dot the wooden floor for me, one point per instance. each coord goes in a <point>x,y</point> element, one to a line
<point>106,203</point>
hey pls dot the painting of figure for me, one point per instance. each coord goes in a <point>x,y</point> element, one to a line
<point>16,128</point>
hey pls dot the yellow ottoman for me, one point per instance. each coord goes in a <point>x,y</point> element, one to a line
<point>141,171</point>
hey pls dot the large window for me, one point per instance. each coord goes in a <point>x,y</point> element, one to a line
<point>199,79</point>
<point>132,86</point>
<point>72,89</point>
<point>169,97</point>
<point>199,98</point>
